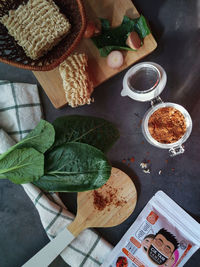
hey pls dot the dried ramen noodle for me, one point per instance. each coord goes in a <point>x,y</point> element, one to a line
<point>36,26</point>
<point>77,85</point>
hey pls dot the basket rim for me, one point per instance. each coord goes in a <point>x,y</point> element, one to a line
<point>64,56</point>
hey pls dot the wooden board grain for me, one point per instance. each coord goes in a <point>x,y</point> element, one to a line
<point>88,216</point>
<point>114,10</point>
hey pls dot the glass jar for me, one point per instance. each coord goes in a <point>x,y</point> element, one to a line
<point>145,82</point>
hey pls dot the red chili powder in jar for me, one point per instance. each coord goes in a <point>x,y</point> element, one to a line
<point>167,125</point>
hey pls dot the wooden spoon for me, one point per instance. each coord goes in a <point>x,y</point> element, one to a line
<point>122,196</point>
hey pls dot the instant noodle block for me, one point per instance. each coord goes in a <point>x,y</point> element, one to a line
<point>76,82</point>
<point>37,26</point>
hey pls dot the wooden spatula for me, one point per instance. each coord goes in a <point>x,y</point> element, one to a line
<point>119,197</point>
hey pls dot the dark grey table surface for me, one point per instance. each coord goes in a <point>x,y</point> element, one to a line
<point>176,27</point>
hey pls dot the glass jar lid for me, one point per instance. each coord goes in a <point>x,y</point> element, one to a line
<point>144,81</point>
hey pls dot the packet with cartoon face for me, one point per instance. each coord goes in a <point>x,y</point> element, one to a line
<point>163,235</point>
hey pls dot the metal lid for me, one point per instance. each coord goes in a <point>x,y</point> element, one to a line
<point>144,81</point>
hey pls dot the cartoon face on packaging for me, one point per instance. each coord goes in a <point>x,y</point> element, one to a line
<point>155,238</point>
<point>162,247</point>
<point>156,256</point>
<point>147,242</point>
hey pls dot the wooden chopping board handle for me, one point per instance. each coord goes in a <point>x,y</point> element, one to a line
<point>76,227</point>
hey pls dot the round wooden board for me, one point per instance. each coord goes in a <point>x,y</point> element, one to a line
<point>121,207</point>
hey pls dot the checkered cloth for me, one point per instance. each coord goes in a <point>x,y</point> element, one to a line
<point>20,111</point>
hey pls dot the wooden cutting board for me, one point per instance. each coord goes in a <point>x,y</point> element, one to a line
<point>120,196</point>
<point>120,189</point>
<point>114,10</point>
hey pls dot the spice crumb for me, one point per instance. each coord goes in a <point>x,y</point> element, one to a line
<point>144,167</point>
<point>107,197</point>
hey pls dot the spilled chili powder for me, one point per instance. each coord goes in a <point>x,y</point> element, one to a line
<point>108,197</point>
<point>167,125</point>
<point>129,160</point>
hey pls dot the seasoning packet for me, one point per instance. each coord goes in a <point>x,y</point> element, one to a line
<point>162,235</point>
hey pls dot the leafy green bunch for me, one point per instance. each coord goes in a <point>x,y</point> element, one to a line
<point>115,38</point>
<point>67,156</point>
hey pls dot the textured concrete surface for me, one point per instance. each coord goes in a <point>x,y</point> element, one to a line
<point>175,25</point>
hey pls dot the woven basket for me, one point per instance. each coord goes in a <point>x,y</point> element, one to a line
<point>13,54</point>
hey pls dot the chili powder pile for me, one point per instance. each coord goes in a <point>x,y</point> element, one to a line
<point>107,197</point>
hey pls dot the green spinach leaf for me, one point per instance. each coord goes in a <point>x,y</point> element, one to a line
<point>142,27</point>
<point>104,51</point>
<point>105,24</point>
<point>22,165</point>
<point>115,38</point>
<point>41,138</point>
<point>93,131</point>
<point>74,167</point>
